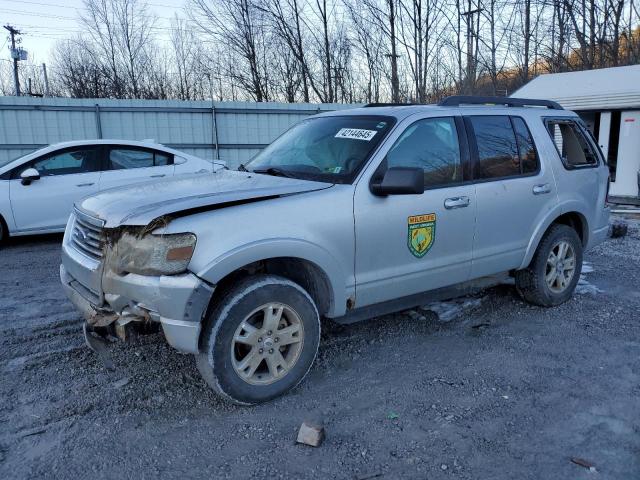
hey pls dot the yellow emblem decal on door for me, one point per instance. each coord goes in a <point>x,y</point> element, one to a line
<point>422,232</point>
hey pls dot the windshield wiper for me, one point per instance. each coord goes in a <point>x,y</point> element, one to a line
<point>242,168</point>
<point>275,171</point>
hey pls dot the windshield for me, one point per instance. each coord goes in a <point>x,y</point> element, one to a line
<point>330,149</point>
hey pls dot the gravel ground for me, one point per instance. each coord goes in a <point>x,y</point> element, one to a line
<point>503,390</point>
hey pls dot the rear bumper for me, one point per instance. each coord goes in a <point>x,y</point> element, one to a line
<point>598,236</point>
<point>178,302</point>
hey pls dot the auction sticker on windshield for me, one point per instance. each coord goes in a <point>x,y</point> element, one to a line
<point>356,134</point>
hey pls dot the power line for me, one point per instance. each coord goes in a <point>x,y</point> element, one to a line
<point>41,15</point>
<point>64,17</point>
<point>80,8</point>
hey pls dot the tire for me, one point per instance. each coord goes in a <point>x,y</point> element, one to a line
<point>533,283</point>
<point>3,231</point>
<point>243,357</point>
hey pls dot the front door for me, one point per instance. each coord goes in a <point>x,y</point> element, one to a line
<point>408,244</point>
<point>66,176</point>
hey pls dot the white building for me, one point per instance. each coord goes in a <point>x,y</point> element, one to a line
<point>608,100</point>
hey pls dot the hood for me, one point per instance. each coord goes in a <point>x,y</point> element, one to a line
<point>141,203</point>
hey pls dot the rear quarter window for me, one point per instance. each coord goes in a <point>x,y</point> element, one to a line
<point>571,143</point>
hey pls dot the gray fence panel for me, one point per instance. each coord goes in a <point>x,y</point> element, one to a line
<point>243,128</point>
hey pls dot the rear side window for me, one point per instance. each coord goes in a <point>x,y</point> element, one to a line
<point>430,144</point>
<point>526,147</point>
<point>505,147</point>
<point>573,147</point>
<point>497,148</point>
<point>125,158</point>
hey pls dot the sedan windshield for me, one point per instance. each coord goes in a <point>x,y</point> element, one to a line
<point>331,149</point>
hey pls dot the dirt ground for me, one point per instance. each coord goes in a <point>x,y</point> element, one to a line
<point>502,390</point>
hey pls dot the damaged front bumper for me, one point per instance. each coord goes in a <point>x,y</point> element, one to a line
<point>178,302</point>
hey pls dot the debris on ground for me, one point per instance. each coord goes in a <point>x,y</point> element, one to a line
<point>393,416</point>
<point>310,434</point>
<point>121,383</point>
<point>583,463</point>
<point>447,311</point>
<point>584,286</point>
<point>481,325</point>
<point>618,229</point>
<point>368,476</point>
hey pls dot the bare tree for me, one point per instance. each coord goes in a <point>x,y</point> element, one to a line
<point>240,26</point>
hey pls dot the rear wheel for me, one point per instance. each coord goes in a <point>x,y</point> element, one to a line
<point>555,269</point>
<point>260,340</point>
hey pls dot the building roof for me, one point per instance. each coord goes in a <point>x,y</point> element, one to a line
<point>606,88</point>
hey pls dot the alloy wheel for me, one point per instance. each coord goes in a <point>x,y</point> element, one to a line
<point>561,267</point>
<point>267,344</point>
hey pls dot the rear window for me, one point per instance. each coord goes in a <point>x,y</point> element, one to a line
<point>127,158</point>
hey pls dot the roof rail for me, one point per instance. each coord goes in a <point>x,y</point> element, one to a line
<point>382,104</point>
<point>457,100</point>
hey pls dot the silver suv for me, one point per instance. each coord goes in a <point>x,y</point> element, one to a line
<point>348,215</point>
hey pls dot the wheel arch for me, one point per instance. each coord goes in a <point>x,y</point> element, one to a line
<point>572,218</point>
<point>310,267</point>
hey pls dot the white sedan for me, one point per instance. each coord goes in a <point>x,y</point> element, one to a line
<point>38,190</point>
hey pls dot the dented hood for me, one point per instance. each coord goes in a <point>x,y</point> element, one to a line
<point>141,203</point>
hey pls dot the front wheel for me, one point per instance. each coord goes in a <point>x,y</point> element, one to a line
<point>260,340</point>
<point>555,269</point>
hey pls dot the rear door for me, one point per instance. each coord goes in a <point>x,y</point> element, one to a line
<point>65,176</point>
<point>514,190</point>
<point>124,164</point>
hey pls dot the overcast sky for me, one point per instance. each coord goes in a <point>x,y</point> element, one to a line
<point>43,22</point>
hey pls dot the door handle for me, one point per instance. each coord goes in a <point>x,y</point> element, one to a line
<point>159,175</point>
<point>540,189</point>
<point>456,202</point>
<point>85,184</point>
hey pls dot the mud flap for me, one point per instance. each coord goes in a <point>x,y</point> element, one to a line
<point>98,344</point>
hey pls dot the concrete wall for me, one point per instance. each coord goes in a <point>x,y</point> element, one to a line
<point>243,128</point>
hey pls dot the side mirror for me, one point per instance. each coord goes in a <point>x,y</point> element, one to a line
<point>400,181</point>
<point>29,175</point>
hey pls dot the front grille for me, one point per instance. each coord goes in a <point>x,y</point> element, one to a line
<point>87,236</point>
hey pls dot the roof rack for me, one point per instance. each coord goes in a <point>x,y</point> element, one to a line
<point>457,100</point>
<point>382,104</point>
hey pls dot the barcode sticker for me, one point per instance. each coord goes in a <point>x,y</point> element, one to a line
<point>356,134</point>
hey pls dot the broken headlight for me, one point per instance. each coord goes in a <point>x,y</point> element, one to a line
<point>154,254</point>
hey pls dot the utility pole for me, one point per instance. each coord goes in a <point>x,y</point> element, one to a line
<point>15,56</point>
<point>46,79</point>
<point>471,33</point>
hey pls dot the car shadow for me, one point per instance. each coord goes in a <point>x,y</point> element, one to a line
<point>32,240</point>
